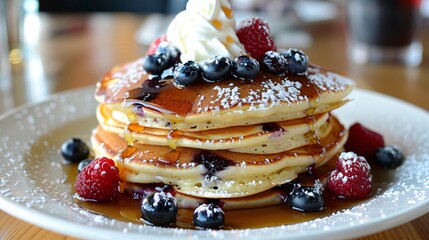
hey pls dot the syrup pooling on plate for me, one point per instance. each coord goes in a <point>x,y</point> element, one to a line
<point>126,208</point>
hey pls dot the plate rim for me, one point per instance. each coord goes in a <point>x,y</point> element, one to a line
<point>67,227</point>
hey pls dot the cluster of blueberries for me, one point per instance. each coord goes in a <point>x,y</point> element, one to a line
<point>165,62</point>
<point>160,209</point>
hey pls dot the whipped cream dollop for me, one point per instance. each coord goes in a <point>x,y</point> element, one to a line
<point>204,30</point>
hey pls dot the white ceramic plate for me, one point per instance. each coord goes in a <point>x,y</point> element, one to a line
<point>33,188</point>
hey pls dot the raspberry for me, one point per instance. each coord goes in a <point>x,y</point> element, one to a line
<point>352,178</point>
<point>99,181</point>
<point>351,164</point>
<point>154,45</point>
<point>363,141</point>
<point>254,34</point>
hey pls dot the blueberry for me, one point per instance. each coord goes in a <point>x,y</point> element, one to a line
<point>290,186</point>
<point>389,157</point>
<point>187,73</point>
<point>171,52</point>
<point>274,62</point>
<point>272,127</point>
<point>212,162</point>
<point>168,73</point>
<point>245,68</point>
<point>306,199</point>
<point>83,164</point>
<point>155,63</point>
<point>297,61</point>
<point>74,150</point>
<point>217,69</point>
<point>209,216</point>
<point>159,209</point>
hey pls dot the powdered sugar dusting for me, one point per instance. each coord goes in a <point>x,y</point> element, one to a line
<point>270,94</point>
<point>211,211</point>
<point>32,176</point>
<point>328,81</point>
<point>124,77</point>
<point>350,160</point>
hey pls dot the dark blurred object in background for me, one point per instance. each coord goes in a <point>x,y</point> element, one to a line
<point>136,6</point>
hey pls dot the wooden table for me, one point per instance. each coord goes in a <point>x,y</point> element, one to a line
<point>75,51</point>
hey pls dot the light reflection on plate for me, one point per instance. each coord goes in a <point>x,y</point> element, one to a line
<point>34,188</point>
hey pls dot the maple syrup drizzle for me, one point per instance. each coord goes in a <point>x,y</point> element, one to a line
<point>127,152</point>
<point>312,91</point>
<point>171,157</point>
<point>172,138</point>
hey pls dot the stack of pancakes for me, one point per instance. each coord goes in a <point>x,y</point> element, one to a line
<point>232,140</point>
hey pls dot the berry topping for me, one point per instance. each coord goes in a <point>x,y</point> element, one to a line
<point>254,34</point>
<point>159,209</point>
<point>245,68</point>
<point>172,53</point>
<point>306,199</point>
<point>212,162</point>
<point>217,69</point>
<point>363,141</point>
<point>352,178</point>
<point>272,127</point>
<point>274,62</point>
<point>389,157</point>
<point>187,73</point>
<point>83,164</point>
<point>168,73</point>
<point>154,45</point>
<point>290,186</point>
<point>99,181</point>
<point>209,216</point>
<point>74,150</point>
<point>155,63</point>
<point>297,61</point>
<point>351,164</point>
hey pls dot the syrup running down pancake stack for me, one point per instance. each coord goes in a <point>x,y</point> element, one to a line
<point>234,140</point>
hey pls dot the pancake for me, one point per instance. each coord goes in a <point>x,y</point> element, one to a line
<point>266,198</point>
<point>217,173</point>
<point>258,139</point>
<point>134,96</point>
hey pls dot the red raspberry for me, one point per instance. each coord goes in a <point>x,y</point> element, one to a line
<point>363,141</point>
<point>254,34</point>
<point>351,164</point>
<point>352,178</point>
<point>154,45</point>
<point>99,181</point>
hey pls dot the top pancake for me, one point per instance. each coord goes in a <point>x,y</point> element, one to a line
<point>129,93</point>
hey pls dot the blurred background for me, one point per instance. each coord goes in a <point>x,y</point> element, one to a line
<point>54,46</point>
<point>136,6</point>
